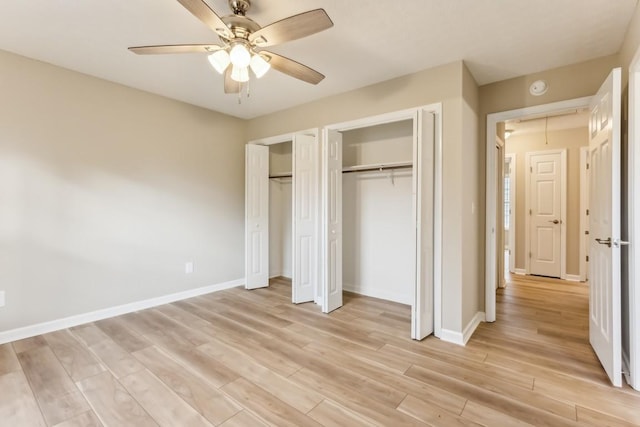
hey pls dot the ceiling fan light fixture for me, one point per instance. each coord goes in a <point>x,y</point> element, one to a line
<point>240,74</point>
<point>220,60</point>
<point>240,56</point>
<point>259,65</point>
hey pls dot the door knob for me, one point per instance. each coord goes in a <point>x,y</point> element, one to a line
<point>606,241</point>
<point>555,221</point>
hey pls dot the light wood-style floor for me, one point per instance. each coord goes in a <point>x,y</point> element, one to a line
<point>251,358</point>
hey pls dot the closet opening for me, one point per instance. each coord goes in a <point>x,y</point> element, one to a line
<point>280,211</point>
<point>382,212</point>
<point>378,257</point>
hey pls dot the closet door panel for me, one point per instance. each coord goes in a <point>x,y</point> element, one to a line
<point>422,309</point>
<point>305,214</point>
<point>332,221</point>
<point>256,216</point>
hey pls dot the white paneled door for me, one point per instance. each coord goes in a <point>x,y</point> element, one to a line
<point>256,216</point>
<point>546,206</point>
<point>604,227</point>
<point>332,223</point>
<point>305,217</point>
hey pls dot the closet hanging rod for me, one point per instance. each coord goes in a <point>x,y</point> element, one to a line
<point>281,175</point>
<point>377,168</point>
<point>372,168</point>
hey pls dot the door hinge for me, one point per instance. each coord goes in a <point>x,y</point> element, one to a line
<point>586,232</point>
<point>587,166</point>
<point>530,212</point>
<point>529,254</point>
<point>587,211</point>
<point>587,258</point>
<point>531,169</point>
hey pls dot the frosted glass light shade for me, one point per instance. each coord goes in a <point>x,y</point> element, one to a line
<point>219,60</point>
<point>240,74</point>
<point>259,65</point>
<point>240,56</point>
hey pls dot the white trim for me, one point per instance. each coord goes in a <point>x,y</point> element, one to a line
<point>286,137</point>
<point>573,278</point>
<point>381,119</point>
<point>520,271</point>
<point>500,154</point>
<point>513,160</point>
<point>455,337</point>
<point>490,170</point>
<point>584,218</point>
<point>411,114</point>
<point>93,316</point>
<point>634,221</point>
<point>377,293</point>
<point>563,208</point>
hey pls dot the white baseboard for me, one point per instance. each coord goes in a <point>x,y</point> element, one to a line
<point>461,338</point>
<point>79,319</point>
<point>376,293</point>
<point>572,277</point>
<point>520,271</point>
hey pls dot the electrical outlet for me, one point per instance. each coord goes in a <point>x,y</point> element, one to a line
<point>1,298</point>
<point>188,267</point>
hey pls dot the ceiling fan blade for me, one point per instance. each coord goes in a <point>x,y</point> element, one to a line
<point>293,68</point>
<point>230,85</point>
<point>203,12</point>
<point>175,48</point>
<point>292,28</point>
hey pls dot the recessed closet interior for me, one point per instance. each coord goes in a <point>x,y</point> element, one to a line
<point>379,258</point>
<point>280,210</point>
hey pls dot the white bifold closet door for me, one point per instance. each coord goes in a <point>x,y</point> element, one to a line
<point>332,221</point>
<point>256,216</point>
<point>422,308</point>
<point>305,217</point>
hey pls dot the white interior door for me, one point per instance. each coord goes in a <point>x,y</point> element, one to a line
<point>604,226</point>
<point>305,217</point>
<point>422,308</point>
<point>256,216</point>
<point>546,206</point>
<point>332,224</point>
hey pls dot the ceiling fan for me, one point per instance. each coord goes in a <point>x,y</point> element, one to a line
<point>243,41</point>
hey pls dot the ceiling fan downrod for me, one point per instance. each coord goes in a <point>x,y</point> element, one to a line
<point>240,7</point>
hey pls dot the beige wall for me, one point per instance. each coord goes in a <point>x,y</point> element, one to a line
<point>453,86</point>
<point>571,140</point>
<point>106,192</point>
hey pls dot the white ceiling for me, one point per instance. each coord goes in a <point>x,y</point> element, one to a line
<point>372,41</point>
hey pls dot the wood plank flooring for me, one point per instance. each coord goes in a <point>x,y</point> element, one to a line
<point>251,358</point>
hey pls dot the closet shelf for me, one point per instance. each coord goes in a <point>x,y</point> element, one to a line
<point>377,167</point>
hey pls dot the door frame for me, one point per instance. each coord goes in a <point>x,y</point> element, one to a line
<point>563,209</point>
<point>491,192</point>
<point>412,114</point>
<point>289,137</point>
<point>584,217</point>
<point>631,362</point>
<point>499,180</point>
<point>513,170</point>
